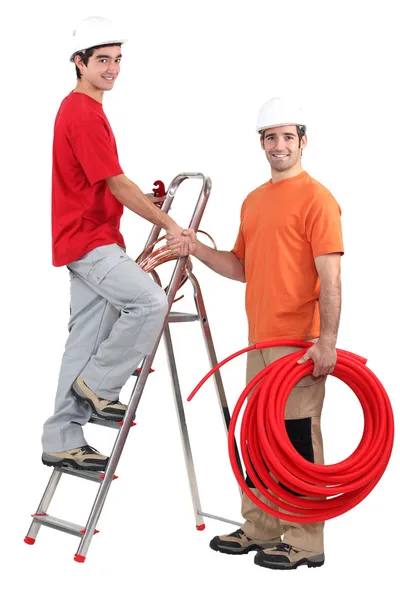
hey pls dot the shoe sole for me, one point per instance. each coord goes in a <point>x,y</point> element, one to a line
<point>101,415</point>
<point>309,562</point>
<point>69,462</point>
<point>241,551</point>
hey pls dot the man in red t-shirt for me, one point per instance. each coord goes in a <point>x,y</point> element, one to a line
<point>117,310</point>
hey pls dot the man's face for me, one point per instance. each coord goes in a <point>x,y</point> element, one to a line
<point>282,148</point>
<point>103,67</point>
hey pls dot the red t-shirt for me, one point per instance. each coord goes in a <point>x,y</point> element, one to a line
<point>84,212</point>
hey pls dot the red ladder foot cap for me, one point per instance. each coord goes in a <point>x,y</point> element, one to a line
<point>29,540</point>
<point>79,558</point>
<point>200,527</point>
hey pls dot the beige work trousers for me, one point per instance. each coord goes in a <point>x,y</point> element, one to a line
<point>303,421</point>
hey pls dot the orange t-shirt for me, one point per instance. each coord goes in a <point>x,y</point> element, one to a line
<point>284,225</point>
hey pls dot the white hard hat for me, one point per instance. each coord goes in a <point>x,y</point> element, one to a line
<point>277,112</point>
<point>94,31</point>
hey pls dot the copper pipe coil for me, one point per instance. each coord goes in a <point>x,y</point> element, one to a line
<point>149,261</point>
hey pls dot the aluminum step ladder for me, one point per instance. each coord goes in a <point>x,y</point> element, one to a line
<point>104,479</point>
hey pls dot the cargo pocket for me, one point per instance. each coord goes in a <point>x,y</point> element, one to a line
<point>306,401</point>
<point>104,263</point>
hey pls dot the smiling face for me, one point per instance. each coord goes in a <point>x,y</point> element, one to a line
<point>102,68</point>
<point>282,147</point>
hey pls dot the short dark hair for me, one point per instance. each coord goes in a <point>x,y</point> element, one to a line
<point>301,131</point>
<point>86,54</point>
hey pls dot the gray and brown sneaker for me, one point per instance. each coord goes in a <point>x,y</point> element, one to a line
<point>239,543</point>
<point>111,410</point>
<point>86,458</point>
<point>286,557</point>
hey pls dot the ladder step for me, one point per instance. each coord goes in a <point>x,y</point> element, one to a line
<point>105,423</point>
<point>96,476</point>
<point>60,525</point>
<point>178,317</point>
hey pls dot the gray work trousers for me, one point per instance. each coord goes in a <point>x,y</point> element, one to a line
<point>117,312</point>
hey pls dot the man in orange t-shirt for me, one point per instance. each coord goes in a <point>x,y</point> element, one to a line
<point>288,252</point>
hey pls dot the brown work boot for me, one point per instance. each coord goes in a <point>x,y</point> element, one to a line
<point>239,543</point>
<point>285,557</point>
<point>111,410</point>
<point>86,458</point>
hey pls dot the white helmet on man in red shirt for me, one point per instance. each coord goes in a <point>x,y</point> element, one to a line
<point>278,112</point>
<point>94,31</point>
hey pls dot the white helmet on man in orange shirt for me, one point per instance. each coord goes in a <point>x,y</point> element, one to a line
<point>94,31</point>
<point>278,112</point>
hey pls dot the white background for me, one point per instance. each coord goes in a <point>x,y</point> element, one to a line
<point>193,78</point>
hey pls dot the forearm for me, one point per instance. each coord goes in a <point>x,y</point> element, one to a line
<point>130,195</point>
<point>222,262</point>
<point>330,301</point>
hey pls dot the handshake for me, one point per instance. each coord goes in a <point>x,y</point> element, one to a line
<point>181,242</point>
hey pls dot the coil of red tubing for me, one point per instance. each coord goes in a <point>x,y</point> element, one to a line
<point>269,456</point>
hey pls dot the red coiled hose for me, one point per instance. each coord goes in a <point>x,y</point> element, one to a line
<point>269,456</point>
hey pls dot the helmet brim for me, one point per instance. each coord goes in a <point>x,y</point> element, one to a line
<point>264,128</point>
<point>102,43</point>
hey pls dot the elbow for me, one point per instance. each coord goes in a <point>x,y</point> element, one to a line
<point>243,277</point>
<point>242,272</point>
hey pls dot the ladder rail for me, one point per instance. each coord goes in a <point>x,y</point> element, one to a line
<point>205,327</point>
<point>219,386</point>
<point>183,429</point>
<point>44,503</point>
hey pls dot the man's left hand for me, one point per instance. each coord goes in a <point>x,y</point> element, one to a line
<point>324,357</point>
<point>157,200</point>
